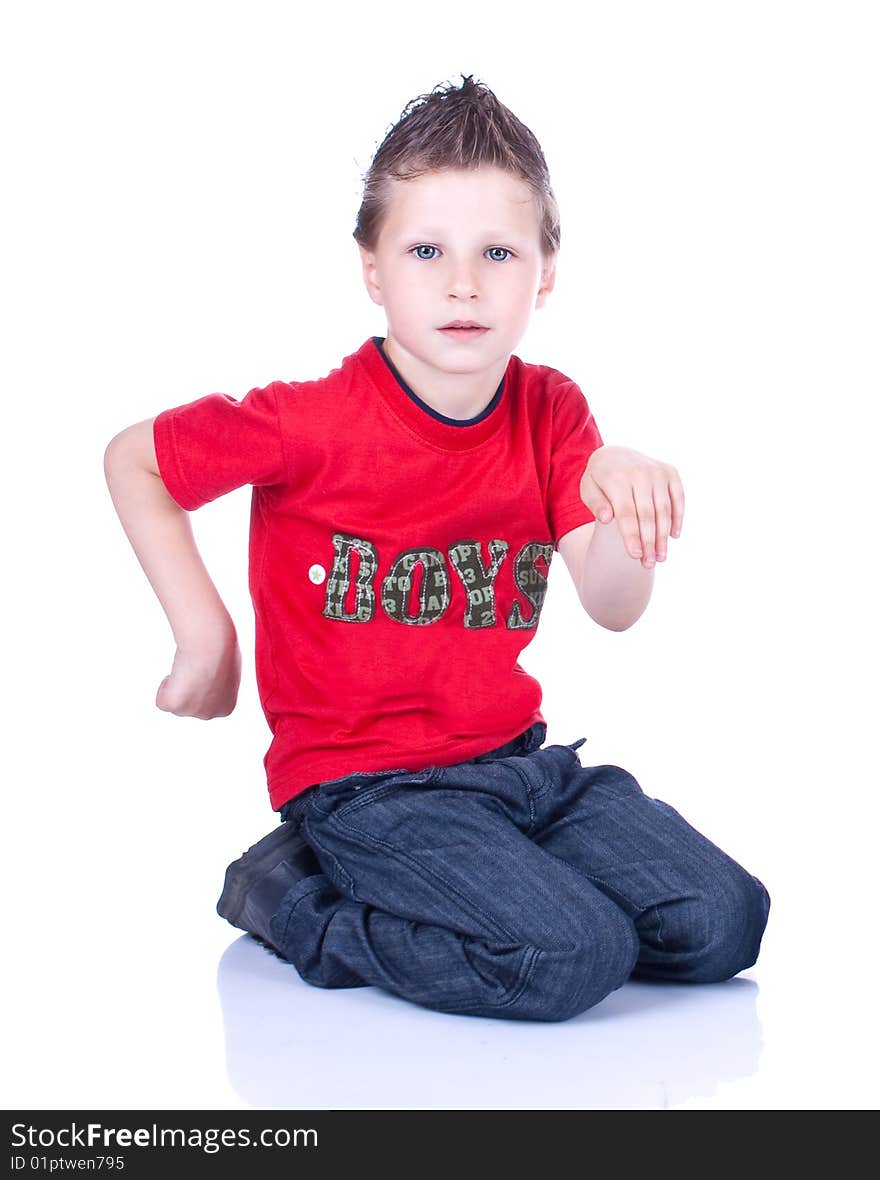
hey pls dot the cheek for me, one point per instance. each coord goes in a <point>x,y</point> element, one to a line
<point>521,290</point>
<point>522,300</point>
<point>407,308</point>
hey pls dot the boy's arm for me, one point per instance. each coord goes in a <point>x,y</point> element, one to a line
<point>613,589</point>
<point>206,673</point>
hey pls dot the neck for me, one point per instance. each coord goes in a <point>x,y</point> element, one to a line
<point>461,396</point>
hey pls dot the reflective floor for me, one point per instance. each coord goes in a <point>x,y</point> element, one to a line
<point>645,1046</point>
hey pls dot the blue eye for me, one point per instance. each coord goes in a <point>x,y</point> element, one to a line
<point>429,258</point>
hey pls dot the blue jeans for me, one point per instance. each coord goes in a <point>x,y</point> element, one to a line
<point>518,884</point>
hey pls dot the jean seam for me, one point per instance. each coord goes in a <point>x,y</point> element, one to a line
<point>531,956</point>
<point>530,962</point>
<point>659,936</point>
<point>530,795</point>
<point>339,868</point>
<point>293,908</point>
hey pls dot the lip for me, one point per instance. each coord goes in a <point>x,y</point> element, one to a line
<point>464,333</point>
<point>463,324</point>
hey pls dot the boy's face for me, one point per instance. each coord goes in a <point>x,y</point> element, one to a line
<point>459,244</point>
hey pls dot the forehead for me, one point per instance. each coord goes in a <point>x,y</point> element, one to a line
<point>485,198</point>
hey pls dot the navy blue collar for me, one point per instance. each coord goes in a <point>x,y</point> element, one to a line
<point>378,340</point>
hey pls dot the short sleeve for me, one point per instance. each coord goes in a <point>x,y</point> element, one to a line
<point>214,444</point>
<point>575,437</point>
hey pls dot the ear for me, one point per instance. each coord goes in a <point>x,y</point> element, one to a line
<point>548,280</point>
<point>371,279</point>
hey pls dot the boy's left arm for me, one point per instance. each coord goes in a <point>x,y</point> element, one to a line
<point>613,567</point>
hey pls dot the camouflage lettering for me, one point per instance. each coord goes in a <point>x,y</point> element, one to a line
<point>434,591</point>
<point>478,582</point>
<point>531,580</point>
<point>340,579</point>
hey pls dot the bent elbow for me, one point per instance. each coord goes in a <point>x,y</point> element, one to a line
<point>617,626</point>
<point>614,622</point>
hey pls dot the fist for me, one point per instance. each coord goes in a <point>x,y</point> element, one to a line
<point>203,682</point>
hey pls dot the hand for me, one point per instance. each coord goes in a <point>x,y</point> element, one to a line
<point>204,680</point>
<point>645,497</point>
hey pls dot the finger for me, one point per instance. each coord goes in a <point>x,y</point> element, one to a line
<point>662,516</point>
<point>643,497</point>
<point>626,514</point>
<point>676,493</point>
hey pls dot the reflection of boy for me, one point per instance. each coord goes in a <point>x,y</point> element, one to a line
<point>405,511</point>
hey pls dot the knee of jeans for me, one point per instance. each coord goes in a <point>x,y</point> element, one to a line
<point>721,929</point>
<point>569,981</point>
<point>614,779</point>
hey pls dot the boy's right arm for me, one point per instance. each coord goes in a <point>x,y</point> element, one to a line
<point>206,673</point>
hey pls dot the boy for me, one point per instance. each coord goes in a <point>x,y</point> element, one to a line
<point>405,511</point>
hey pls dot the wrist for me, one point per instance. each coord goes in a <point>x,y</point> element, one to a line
<point>210,630</point>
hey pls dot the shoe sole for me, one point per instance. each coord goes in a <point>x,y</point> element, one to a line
<point>243,873</point>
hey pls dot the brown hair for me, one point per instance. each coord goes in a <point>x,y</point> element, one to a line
<point>456,127</point>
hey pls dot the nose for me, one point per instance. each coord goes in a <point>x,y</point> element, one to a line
<point>462,280</point>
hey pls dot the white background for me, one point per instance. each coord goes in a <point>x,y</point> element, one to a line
<point>182,182</point>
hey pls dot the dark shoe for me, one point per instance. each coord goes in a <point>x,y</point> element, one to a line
<point>257,882</point>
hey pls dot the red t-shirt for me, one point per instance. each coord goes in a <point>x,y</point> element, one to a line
<point>398,559</point>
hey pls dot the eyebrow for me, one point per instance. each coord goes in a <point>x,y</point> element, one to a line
<point>436,233</point>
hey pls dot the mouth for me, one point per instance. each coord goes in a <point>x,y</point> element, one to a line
<point>463,329</point>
